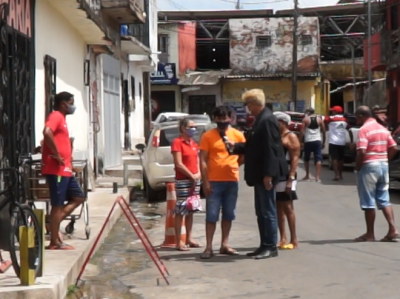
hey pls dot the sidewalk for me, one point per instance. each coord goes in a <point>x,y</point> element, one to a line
<point>62,267</point>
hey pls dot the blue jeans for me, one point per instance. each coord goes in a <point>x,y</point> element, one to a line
<point>373,185</point>
<point>223,194</point>
<point>266,216</point>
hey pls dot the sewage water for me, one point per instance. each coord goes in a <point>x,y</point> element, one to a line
<point>107,274</point>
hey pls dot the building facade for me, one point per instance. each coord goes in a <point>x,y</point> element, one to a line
<point>261,57</point>
<point>385,53</point>
<point>86,49</point>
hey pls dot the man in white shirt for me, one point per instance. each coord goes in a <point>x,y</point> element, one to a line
<point>337,140</point>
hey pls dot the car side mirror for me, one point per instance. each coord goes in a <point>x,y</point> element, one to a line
<point>140,147</point>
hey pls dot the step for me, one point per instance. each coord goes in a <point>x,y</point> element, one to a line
<point>133,171</point>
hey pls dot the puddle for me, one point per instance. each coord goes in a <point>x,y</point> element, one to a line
<point>107,274</point>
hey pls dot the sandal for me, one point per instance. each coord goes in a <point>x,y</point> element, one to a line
<point>206,255</point>
<point>363,239</point>
<point>228,251</point>
<point>61,246</point>
<point>286,247</point>
<point>182,248</point>
<point>395,238</point>
<point>193,245</point>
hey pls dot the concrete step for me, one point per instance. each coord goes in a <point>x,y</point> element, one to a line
<point>134,171</point>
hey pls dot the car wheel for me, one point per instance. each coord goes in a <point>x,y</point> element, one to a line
<point>330,163</point>
<point>151,194</point>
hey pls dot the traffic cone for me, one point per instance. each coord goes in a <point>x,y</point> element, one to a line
<point>169,240</point>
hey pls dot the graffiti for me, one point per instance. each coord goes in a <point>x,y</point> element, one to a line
<point>19,15</point>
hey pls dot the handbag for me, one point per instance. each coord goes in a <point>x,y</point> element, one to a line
<point>193,202</point>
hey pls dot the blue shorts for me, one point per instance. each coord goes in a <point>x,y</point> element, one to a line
<point>314,147</point>
<point>373,185</point>
<point>223,195</point>
<point>63,189</point>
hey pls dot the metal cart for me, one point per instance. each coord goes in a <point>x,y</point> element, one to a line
<point>36,190</point>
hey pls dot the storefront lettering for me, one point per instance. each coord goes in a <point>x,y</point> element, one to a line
<point>19,15</point>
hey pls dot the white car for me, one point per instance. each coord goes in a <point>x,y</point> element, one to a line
<point>166,116</point>
<point>157,160</point>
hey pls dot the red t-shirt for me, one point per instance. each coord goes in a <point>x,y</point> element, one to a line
<point>189,152</point>
<point>56,123</point>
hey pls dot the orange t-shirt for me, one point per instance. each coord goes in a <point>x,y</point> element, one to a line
<point>222,167</point>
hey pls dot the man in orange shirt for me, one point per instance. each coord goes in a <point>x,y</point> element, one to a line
<point>220,175</point>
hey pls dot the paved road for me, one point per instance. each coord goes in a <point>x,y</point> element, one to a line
<point>327,265</point>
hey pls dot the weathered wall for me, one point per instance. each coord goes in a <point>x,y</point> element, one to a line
<point>276,91</point>
<point>186,47</point>
<point>247,58</point>
<point>171,31</point>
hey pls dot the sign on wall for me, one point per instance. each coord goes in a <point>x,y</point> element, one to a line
<point>239,110</point>
<point>165,74</point>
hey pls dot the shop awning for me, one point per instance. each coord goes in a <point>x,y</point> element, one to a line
<point>86,19</point>
<point>202,78</point>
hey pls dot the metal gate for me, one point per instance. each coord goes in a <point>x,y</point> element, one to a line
<point>15,93</point>
<point>112,113</point>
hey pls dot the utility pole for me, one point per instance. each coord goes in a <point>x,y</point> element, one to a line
<point>294,56</point>
<point>353,69</point>
<point>238,5</point>
<point>369,57</point>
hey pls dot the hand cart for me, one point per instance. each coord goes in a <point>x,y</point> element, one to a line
<point>36,190</point>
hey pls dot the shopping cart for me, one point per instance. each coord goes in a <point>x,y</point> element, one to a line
<point>36,190</point>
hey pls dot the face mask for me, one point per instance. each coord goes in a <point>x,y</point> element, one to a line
<point>71,109</point>
<point>222,125</point>
<point>190,132</point>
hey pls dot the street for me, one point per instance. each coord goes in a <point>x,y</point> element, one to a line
<point>328,264</point>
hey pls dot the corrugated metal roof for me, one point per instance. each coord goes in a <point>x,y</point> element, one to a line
<point>274,75</point>
<point>202,78</point>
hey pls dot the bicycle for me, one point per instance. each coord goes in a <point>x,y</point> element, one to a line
<point>20,215</point>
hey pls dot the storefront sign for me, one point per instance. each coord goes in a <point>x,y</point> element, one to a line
<point>165,74</point>
<point>239,110</point>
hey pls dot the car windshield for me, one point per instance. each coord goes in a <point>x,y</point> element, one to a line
<point>169,134</point>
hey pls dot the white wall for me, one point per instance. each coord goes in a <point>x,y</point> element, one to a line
<point>54,36</point>
<point>172,31</point>
<point>153,30</point>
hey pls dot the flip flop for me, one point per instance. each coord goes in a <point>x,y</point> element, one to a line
<point>286,247</point>
<point>393,239</point>
<point>183,248</point>
<point>4,265</point>
<point>363,239</point>
<point>62,246</point>
<point>228,251</point>
<point>193,245</point>
<point>206,255</point>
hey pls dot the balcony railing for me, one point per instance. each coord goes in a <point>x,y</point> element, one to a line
<point>140,32</point>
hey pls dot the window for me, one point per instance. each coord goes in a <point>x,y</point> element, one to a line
<point>169,134</point>
<point>263,41</point>
<point>305,40</point>
<point>163,43</point>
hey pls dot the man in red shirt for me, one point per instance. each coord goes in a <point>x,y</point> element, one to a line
<point>56,166</point>
<point>375,146</point>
